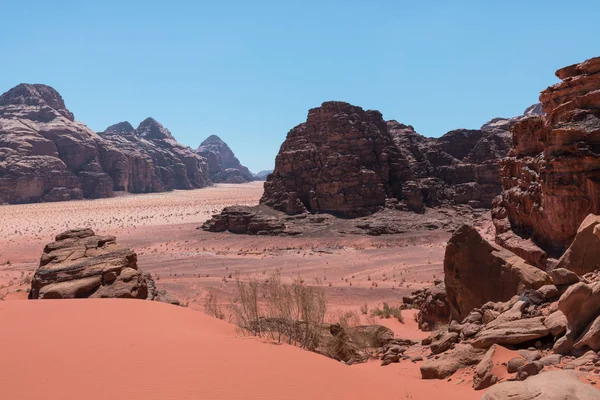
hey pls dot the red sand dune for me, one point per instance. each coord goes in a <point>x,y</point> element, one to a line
<point>129,349</point>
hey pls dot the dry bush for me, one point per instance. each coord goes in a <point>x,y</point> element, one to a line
<point>293,313</point>
<point>388,311</point>
<point>364,309</point>
<point>347,318</point>
<point>212,306</point>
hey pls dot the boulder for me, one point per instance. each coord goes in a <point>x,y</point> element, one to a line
<point>514,364</point>
<point>552,385</point>
<point>462,356</point>
<point>477,271</point>
<point>590,338</point>
<point>581,306</point>
<point>512,333</point>
<point>556,323</point>
<point>82,264</point>
<point>562,276</point>
<point>583,255</point>
<point>484,377</point>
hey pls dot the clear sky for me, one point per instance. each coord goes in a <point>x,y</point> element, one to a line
<point>249,70</point>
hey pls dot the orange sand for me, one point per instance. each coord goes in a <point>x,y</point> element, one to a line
<point>133,349</point>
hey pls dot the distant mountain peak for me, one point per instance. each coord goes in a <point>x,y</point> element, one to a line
<point>36,95</point>
<point>152,129</point>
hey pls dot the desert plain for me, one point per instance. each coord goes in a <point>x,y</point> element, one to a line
<point>148,341</point>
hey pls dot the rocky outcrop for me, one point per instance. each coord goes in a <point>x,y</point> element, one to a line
<point>81,264</point>
<point>342,160</point>
<point>240,219</point>
<point>45,155</point>
<point>552,385</point>
<point>432,304</point>
<point>583,255</point>
<point>223,165</point>
<point>347,161</point>
<point>149,159</point>
<point>476,272</point>
<point>550,179</point>
<point>458,168</point>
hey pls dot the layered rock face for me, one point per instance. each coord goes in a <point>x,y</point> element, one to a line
<point>45,155</point>
<point>342,160</point>
<point>80,264</point>
<point>347,161</point>
<point>223,165</point>
<point>551,180</point>
<point>149,159</point>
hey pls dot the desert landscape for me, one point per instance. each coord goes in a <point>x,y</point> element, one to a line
<point>371,261</point>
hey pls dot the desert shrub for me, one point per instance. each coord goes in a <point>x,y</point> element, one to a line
<point>347,318</point>
<point>212,306</point>
<point>285,312</point>
<point>364,309</point>
<point>388,311</point>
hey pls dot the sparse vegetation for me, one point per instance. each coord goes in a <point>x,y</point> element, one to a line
<point>293,313</point>
<point>388,311</point>
<point>212,306</point>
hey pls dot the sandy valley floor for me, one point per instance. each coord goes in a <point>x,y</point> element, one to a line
<point>353,269</point>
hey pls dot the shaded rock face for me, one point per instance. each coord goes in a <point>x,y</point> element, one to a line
<point>550,179</point>
<point>80,264</point>
<point>347,161</point>
<point>149,159</point>
<point>458,168</point>
<point>223,165</point>
<point>342,160</point>
<point>45,155</point>
<point>476,272</point>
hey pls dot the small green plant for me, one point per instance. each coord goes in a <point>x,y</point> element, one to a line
<point>387,312</point>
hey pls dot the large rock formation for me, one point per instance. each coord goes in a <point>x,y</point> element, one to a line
<point>223,165</point>
<point>347,161</point>
<point>476,271</point>
<point>342,160</point>
<point>149,159</point>
<point>81,264</point>
<point>45,155</point>
<point>551,180</point>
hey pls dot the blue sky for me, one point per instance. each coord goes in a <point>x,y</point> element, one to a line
<point>249,71</point>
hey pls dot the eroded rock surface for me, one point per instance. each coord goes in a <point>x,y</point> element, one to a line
<point>550,179</point>
<point>45,155</point>
<point>81,264</point>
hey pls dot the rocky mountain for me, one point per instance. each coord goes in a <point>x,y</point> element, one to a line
<point>550,179</point>
<point>348,161</point>
<point>152,160</point>
<point>262,175</point>
<point>223,165</point>
<point>45,155</point>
